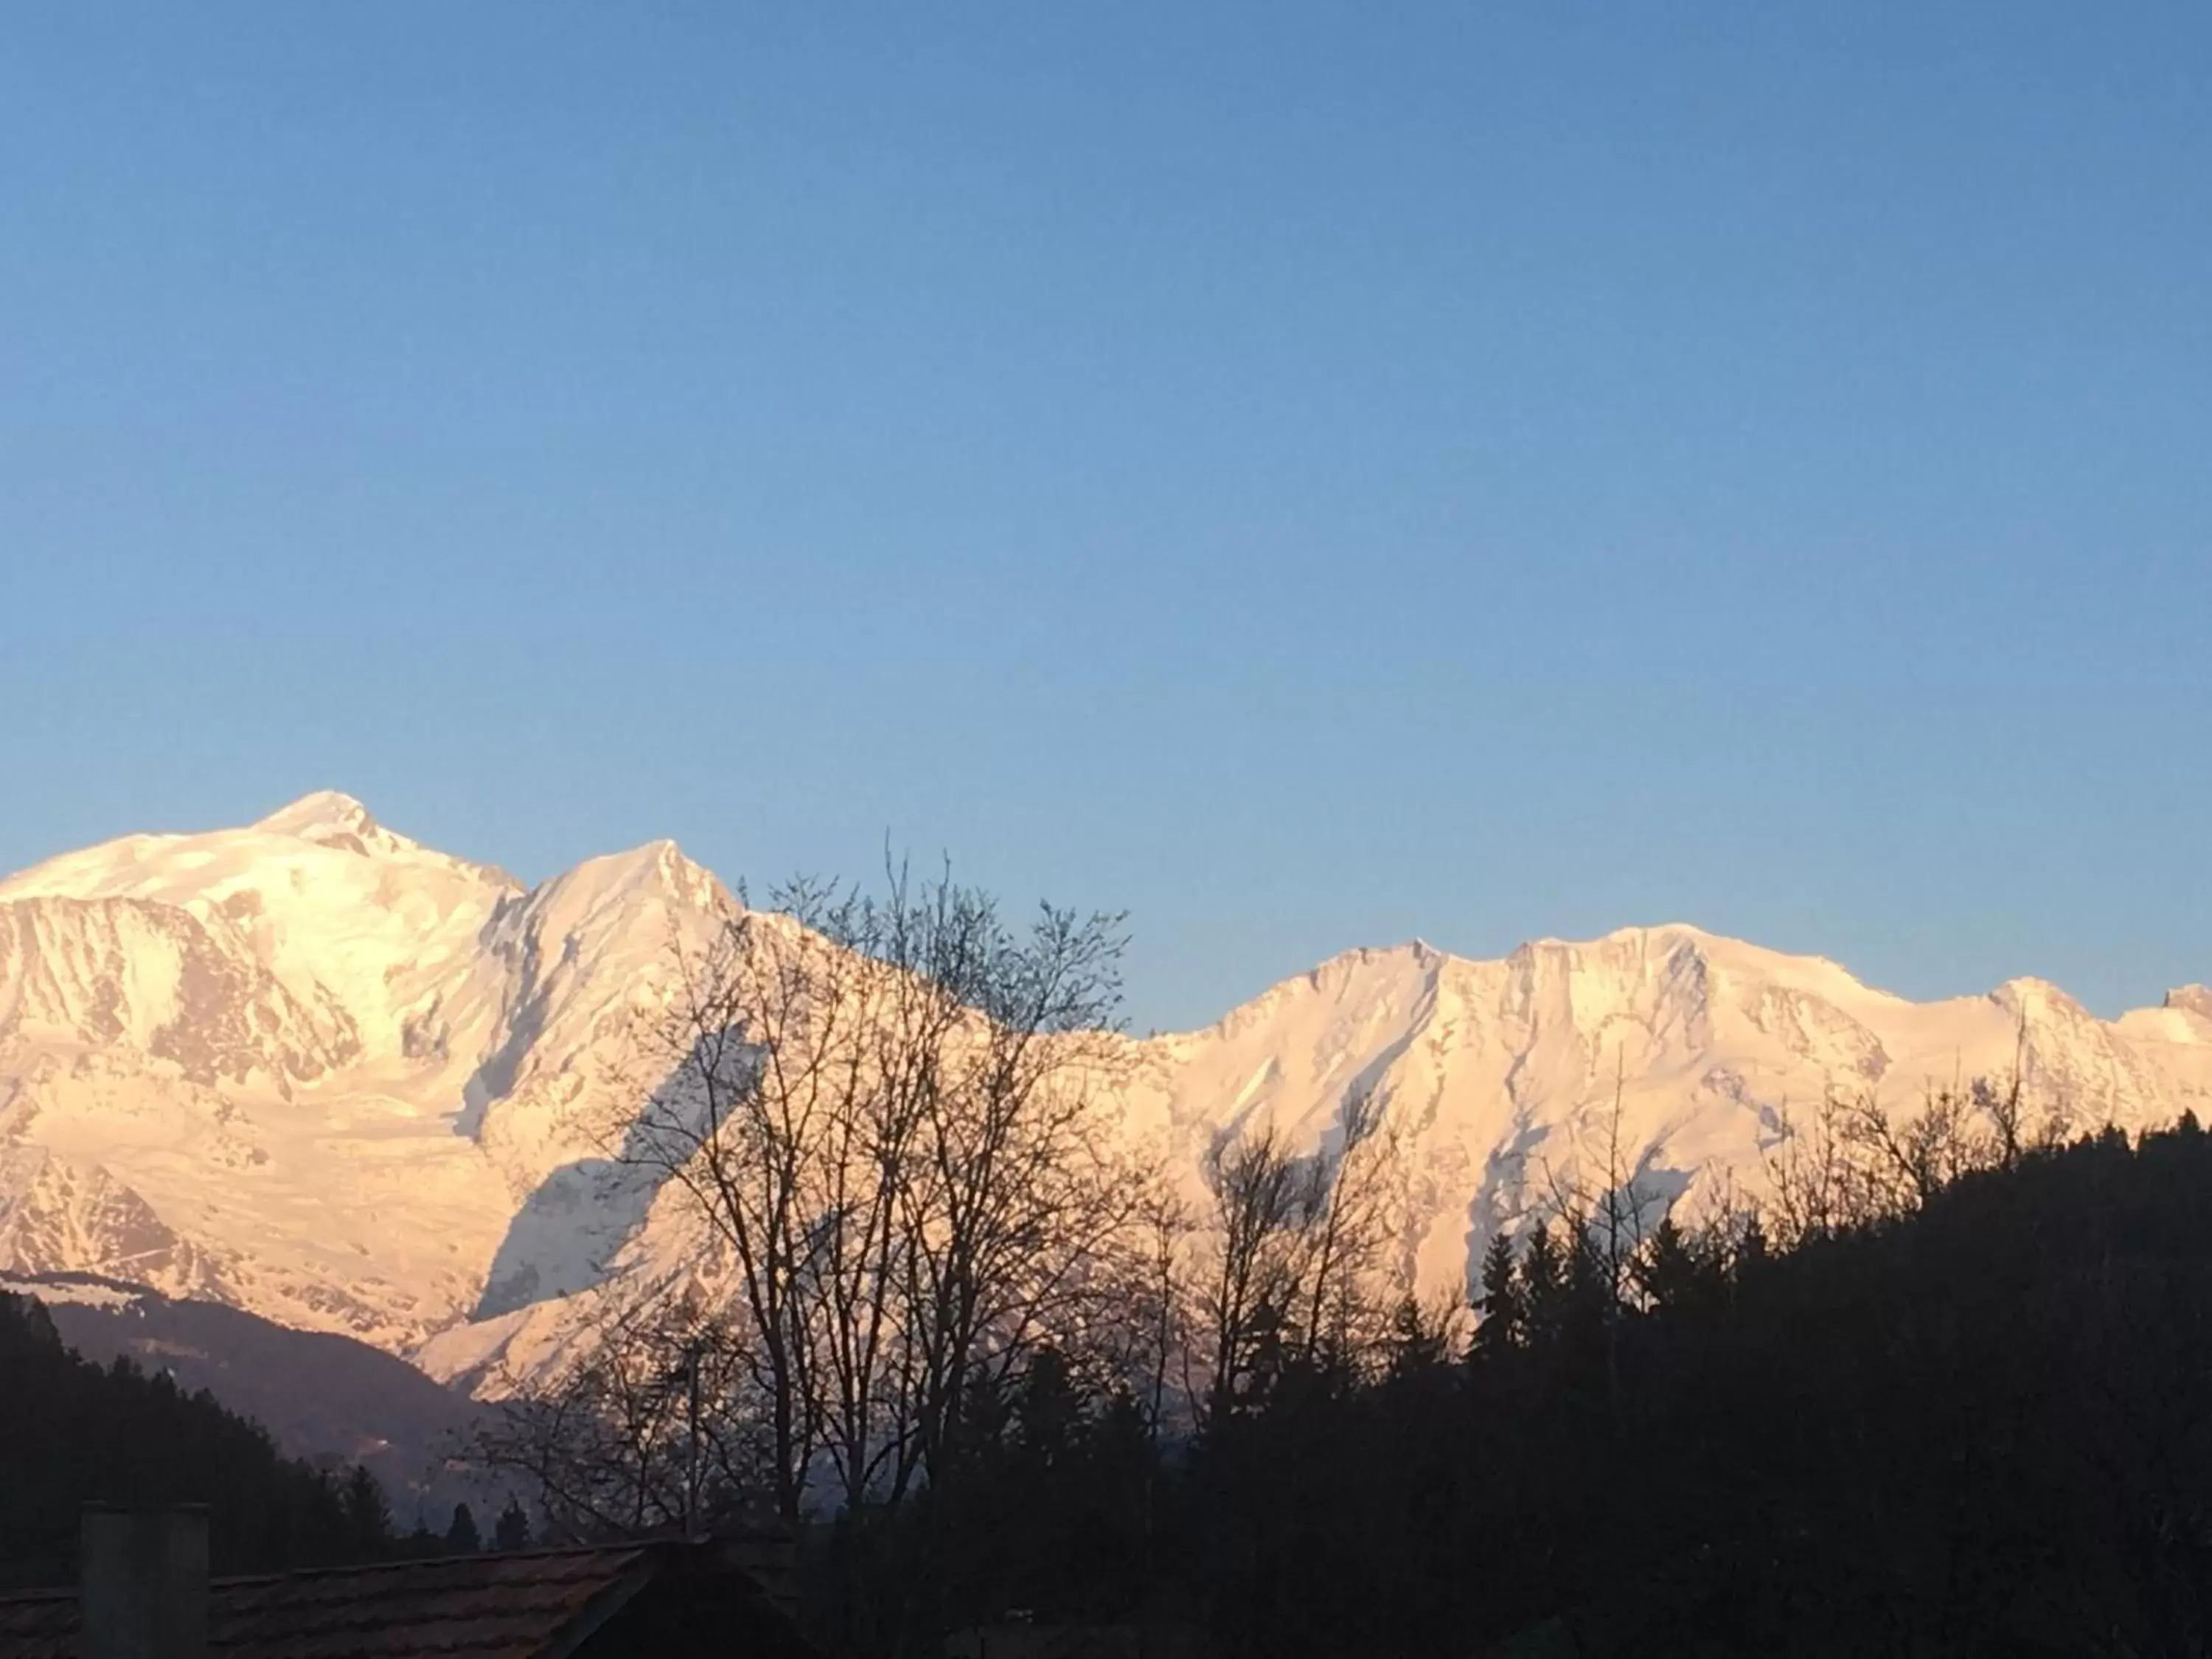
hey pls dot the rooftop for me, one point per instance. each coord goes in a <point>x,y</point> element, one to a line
<point>672,1598</point>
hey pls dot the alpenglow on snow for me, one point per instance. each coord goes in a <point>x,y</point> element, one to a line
<point>314,1069</point>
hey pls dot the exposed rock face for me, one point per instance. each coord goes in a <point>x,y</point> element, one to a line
<point>2191,1000</point>
<point>323,1072</point>
<point>155,979</point>
<point>57,1216</point>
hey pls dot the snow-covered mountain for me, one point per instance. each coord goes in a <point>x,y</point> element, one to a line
<point>317,1071</point>
<point>310,1067</point>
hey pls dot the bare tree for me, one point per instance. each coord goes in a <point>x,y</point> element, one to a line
<point>887,1111</point>
<point>1259,1195</point>
<point>761,1051</point>
<point>1160,1301</point>
<point>645,1429</point>
<point>1860,1160</point>
<point>1815,1186</point>
<point>1295,1252</point>
<point>1907,1160</point>
<point>1344,1221</point>
<point>1605,1213</point>
<point>1904,1161</point>
<point>2001,1104</point>
<point>1017,1204</point>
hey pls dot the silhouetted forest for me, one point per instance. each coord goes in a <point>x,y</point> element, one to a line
<point>1984,1426</point>
<point>1976,1421</point>
<point>73,1433</point>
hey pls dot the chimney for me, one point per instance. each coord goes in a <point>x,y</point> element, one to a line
<point>145,1582</point>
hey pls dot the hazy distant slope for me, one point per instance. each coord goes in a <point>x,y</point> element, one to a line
<point>322,1397</point>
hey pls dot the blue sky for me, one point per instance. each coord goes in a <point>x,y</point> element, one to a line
<point>1309,477</point>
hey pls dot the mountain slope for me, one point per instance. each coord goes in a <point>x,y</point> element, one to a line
<point>1502,1074</point>
<point>324,1399</point>
<point>314,1069</point>
<point>332,1061</point>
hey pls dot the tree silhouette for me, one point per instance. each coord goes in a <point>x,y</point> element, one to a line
<point>461,1538</point>
<point>511,1530</point>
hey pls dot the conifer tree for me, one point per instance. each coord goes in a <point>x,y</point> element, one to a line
<point>1418,1340</point>
<point>1500,1302</point>
<point>461,1537</point>
<point>1543,1286</point>
<point>1671,1272</point>
<point>511,1530</point>
<point>367,1514</point>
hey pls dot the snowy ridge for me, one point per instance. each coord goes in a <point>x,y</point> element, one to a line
<point>317,1070</point>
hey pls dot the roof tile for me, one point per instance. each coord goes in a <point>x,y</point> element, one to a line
<point>483,1606</point>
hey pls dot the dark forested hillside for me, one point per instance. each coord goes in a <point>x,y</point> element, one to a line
<point>1977,1420</point>
<point>72,1432</point>
<point>323,1397</point>
<point>1985,1426</point>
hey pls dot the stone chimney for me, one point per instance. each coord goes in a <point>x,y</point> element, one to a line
<point>143,1592</point>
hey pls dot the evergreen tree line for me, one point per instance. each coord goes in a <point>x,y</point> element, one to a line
<point>74,1432</point>
<point>1976,1417</point>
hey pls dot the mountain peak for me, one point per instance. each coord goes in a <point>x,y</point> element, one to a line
<point>2191,1000</point>
<point>330,817</point>
<point>320,809</point>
